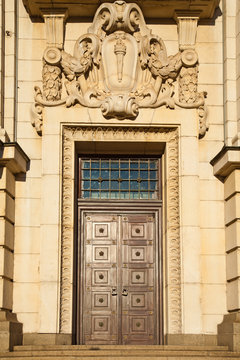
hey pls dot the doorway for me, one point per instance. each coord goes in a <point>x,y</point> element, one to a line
<point>119,251</point>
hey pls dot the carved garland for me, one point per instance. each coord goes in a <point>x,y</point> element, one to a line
<point>72,134</point>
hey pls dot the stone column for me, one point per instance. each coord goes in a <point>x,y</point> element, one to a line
<point>12,161</point>
<point>226,166</point>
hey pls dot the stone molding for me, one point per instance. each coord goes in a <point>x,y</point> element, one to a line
<point>119,66</point>
<point>72,134</point>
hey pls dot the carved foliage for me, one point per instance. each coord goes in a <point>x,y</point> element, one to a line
<point>173,282</point>
<point>119,66</point>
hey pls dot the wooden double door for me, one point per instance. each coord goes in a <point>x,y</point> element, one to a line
<point>119,279</point>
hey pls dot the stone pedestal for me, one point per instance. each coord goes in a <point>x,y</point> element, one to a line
<point>12,161</point>
<point>226,166</point>
<point>229,331</point>
<point>10,330</point>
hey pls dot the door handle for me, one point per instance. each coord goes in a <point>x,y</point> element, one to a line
<point>114,292</point>
<point>124,292</point>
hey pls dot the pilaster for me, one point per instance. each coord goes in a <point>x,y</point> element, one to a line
<point>12,161</point>
<point>226,166</point>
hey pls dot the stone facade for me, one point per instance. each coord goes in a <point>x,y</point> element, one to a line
<point>120,79</point>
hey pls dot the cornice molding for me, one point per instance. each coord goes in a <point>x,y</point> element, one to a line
<point>150,8</point>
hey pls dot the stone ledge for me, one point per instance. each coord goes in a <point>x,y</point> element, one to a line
<point>13,157</point>
<point>226,161</point>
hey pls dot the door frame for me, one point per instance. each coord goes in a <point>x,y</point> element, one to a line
<point>117,207</point>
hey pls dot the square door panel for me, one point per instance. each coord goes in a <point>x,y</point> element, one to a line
<point>138,254</point>
<point>138,277</point>
<point>101,324</point>
<point>101,230</point>
<point>101,277</point>
<point>101,253</point>
<point>138,301</point>
<point>138,324</point>
<point>101,300</point>
<point>97,229</point>
<point>138,230</point>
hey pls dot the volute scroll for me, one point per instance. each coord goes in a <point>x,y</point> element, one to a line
<point>120,67</point>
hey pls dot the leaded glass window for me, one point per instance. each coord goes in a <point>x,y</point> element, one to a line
<point>121,178</point>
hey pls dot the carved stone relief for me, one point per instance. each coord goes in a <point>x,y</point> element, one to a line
<point>118,66</point>
<point>73,134</point>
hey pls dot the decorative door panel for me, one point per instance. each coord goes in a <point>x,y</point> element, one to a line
<point>138,280</point>
<point>100,279</point>
<point>119,286</point>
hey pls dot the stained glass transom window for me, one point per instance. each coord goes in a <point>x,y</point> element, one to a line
<point>119,178</point>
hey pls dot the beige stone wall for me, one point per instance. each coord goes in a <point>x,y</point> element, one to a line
<point>28,189</point>
<point>211,192</point>
<point>38,197</point>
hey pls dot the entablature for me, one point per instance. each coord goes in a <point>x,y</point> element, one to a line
<point>150,8</point>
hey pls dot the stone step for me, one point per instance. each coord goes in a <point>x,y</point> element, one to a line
<point>121,347</point>
<point>133,357</point>
<point>116,352</point>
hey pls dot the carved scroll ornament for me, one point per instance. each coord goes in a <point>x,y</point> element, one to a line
<point>118,66</point>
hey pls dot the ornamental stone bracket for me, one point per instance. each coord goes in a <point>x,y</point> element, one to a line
<point>187,22</point>
<point>119,66</point>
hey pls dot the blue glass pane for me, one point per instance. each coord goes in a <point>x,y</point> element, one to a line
<point>124,195</point>
<point>153,175</point>
<point>86,165</point>
<point>134,195</point>
<point>153,185</point>
<point>143,174</point>
<point>95,194</point>
<point>153,194</point>
<point>133,165</point>
<point>114,185</point>
<point>105,174</point>
<point>95,174</point>
<point>104,195</point>
<point>86,174</point>
<point>124,185</point>
<point>95,185</point>
<point>114,164</point>
<point>124,165</point>
<point>124,174</point>
<point>144,195</point>
<point>144,165</point>
<point>95,164</point>
<point>153,164</point>
<point>133,175</point>
<point>134,185</point>
<point>114,195</point>
<point>105,164</point>
<point>144,185</point>
<point>105,185</point>
<point>86,185</point>
<point>114,174</point>
<point>86,194</point>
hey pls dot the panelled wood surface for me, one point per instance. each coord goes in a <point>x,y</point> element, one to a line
<point>119,282</point>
